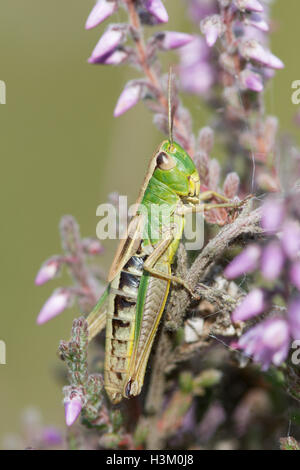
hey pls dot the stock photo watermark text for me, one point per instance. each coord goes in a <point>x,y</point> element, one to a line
<point>2,92</point>
<point>157,221</point>
<point>2,352</point>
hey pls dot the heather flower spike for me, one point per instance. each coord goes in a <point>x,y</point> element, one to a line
<point>129,97</point>
<point>173,40</point>
<point>267,342</point>
<point>56,304</point>
<point>212,28</point>
<point>102,10</point>
<point>158,10</point>
<point>244,263</point>
<point>251,49</point>
<point>253,304</point>
<point>73,407</point>
<point>109,41</point>
<point>48,271</point>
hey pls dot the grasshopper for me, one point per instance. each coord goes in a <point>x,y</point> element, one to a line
<point>140,276</point>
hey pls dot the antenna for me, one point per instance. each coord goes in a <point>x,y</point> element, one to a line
<point>170,110</point>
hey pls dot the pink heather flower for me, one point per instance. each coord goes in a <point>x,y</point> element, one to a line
<point>291,239</point>
<point>196,74</point>
<point>92,246</point>
<point>251,80</point>
<point>199,9</point>
<point>56,304</point>
<point>109,41</point>
<point>267,342</point>
<point>212,28</point>
<point>253,304</point>
<point>294,317</point>
<point>129,97</point>
<point>251,49</point>
<point>295,274</point>
<point>257,21</point>
<point>195,52</point>
<point>173,40</point>
<point>157,9</point>
<point>211,420</point>
<point>52,436</point>
<point>272,215</point>
<point>116,58</point>
<point>272,260</point>
<point>102,10</point>
<point>48,271</point>
<point>73,407</point>
<point>251,5</point>
<point>189,77</point>
<point>244,263</point>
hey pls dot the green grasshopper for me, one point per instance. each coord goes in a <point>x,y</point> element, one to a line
<point>140,276</point>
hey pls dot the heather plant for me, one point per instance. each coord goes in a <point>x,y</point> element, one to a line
<point>225,361</point>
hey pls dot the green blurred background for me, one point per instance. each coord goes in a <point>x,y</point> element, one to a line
<point>62,152</point>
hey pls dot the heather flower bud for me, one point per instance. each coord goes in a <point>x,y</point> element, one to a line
<point>272,215</point>
<point>92,246</point>
<point>157,9</point>
<point>48,271</point>
<point>129,97</point>
<point>251,80</point>
<point>206,139</point>
<point>116,58</point>
<point>257,21</point>
<point>291,239</point>
<point>253,304</point>
<point>272,260</point>
<point>109,41</point>
<point>267,342</point>
<point>200,9</point>
<point>52,436</point>
<point>244,263</point>
<point>251,49</point>
<point>251,5</point>
<point>102,10</point>
<point>56,304</point>
<point>172,40</point>
<point>231,185</point>
<point>212,28</point>
<point>294,317</point>
<point>295,274</point>
<point>195,64</point>
<point>73,407</point>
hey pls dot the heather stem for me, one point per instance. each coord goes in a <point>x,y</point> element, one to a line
<point>151,75</point>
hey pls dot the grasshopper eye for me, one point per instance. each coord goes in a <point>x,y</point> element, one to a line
<point>165,161</point>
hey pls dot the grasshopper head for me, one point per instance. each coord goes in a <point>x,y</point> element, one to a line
<point>176,169</point>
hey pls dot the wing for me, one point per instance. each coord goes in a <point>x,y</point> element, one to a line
<point>97,318</point>
<point>128,246</point>
<point>131,242</point>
